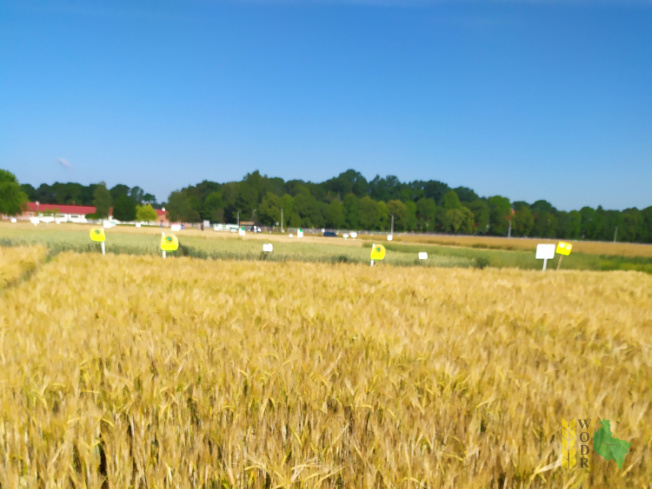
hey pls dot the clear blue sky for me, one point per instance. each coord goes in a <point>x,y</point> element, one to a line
<point>528,99</point>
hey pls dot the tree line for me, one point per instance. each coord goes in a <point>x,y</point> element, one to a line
<point>350,201</point>
<point>128,203</point>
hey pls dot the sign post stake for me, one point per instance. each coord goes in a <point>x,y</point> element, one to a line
<point>561,257</point>
<point>545,261</point>
<point>103,248</point>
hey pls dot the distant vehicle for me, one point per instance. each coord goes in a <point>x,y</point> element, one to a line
<point>330,234</point>
<point>255,229</point>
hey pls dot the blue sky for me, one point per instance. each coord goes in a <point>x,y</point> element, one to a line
<point>528,99</point>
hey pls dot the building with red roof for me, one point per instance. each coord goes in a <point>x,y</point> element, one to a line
<point>61,212</point>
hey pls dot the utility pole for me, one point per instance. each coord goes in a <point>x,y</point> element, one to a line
<point>392,231</point>
<point>509,229</point>
<point>615,233</point>
<point>238,219</point>
<point>282,220</point>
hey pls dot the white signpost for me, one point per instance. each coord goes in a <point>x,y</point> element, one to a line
<point>390,237</point>
<point>354,235</point>
<point>423,255</point>
<point>267,247</point>
<point>175,227</point>
<point>345,236</point>
<point>299,233</point>
<point>545,252</point>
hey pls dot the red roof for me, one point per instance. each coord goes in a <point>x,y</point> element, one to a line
<point>61,208</point>
<point>160,213</point>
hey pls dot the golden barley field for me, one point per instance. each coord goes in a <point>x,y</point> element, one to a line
<point>135,372</point>
<point>15,262</point>
<point>529,244</point>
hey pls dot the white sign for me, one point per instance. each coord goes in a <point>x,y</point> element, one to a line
<point>423,255</point>
<point>13,220</point>
<point>207,223</point>
<point>137,224</point>
<point>390,237</point>
<point>300,233</point>
<point>241,232</point>
<point>545,251</point>
<point>354,235</point>
<point>346,236</point>
<point>175,227</point>
<point>268,247</point>
<point>291,235</point>
<point>34,220</point>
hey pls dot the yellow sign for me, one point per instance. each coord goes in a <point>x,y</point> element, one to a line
<point>97,234</point>
<point>377,252</point>
<point>169,242</point>
<point>564,248</point>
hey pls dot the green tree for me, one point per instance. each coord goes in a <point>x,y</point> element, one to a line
<point>351,211</point>
<point>480,210</point>
<point>124,208</point>
<point>213,208</point>
<point>522,221</point>
<point>459,220</point>
<point>647,224</point>
<point>383,216</point>
<point>118,190</point>
<point>146,213</point>
<point>465,194</point>
<point>591,226</point>
<point>269,210</point>
<point>400,213</point>
<point>137,194</point>
<point>12,198</point>
<point>348,182</point>
<point>368,213</point>
<point>426,210</point>
<point>102,200</point>
<point>500,210</point>
<point>411,221</point>
<point>633,225</point>
<point>335,214</point>
<point>179,208</point>
<point>545,224</point>
<point>287,205</point>
<point>311,211</point>
<point>569,225</point>
<point>29,190</point>
<point>295,220</point>
<point>451,200</point>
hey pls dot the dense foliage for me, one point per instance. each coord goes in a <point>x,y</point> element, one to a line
<point>12,197</point>
<point>350,201</point>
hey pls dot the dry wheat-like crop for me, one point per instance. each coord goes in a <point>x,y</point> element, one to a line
<point>124,371</point>
<point>15,262</point>
<point>530,244</point>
